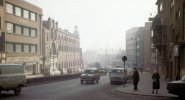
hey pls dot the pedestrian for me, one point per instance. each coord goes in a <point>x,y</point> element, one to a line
<point>135,78</point>
<point>156,82</point>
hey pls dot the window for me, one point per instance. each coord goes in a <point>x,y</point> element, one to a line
<point>9,8</point>
<point>26,14</point>
<point>9,27</point>
<point>10,47</point>
<point>178,14</point>
<point>0,22</point>
<point>33,48</point>
<point>26,48</point>
<point>32,16</point>
<point>172,3</point>
<point>18,29</point>
<point>33,32</point>
<point>26,31</point>
<point>18,11</point>
<point>160,7</point>
<point>18,48</point>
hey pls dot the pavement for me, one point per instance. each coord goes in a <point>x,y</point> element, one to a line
<point>34,76</point>
<point>145,87</point>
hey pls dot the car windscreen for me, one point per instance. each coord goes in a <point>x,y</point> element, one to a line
<point>183,79</point>
<point>89,71</point>
<point>116,71</point>
<point>11,69</point>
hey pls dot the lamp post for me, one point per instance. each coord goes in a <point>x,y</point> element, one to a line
<point>136,49</point>
<point>107,56</point>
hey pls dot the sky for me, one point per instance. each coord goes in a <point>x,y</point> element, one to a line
<point>101,23</point>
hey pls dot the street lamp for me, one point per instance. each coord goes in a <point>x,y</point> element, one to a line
<point>107,56</point>
<point>136,49</point>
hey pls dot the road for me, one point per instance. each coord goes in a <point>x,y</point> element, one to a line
<point>73,90</point>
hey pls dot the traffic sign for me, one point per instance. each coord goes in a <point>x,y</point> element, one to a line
<point>124,58</point>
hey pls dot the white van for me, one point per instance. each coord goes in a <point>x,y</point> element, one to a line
<point>12,77</point>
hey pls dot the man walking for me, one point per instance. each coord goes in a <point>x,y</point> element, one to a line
<point>135,78</point>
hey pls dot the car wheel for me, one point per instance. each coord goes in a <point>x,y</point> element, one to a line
<point>17,90</point>
<point>81,82</point>
<point>97,81</point>
<point>182,96</point>
<point>111,82</point>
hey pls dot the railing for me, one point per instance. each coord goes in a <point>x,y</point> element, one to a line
<point>41,80</point>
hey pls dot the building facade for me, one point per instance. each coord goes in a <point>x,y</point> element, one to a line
<point>21,24</point>
<point>69,51</point>
<point>138,47</point>
<point>131,46</point>
<point>168,38</point>
<point>62,48</point>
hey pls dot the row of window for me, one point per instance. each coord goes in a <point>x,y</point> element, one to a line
<point>67,39</point>
<point>20,47</point>
<point>70,49</point>
<point>70,64</point>
<point>18,29</point>
<point>12,9</point>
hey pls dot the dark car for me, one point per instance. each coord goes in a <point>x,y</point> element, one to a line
<point>90,75</point>
<point>177,87</point>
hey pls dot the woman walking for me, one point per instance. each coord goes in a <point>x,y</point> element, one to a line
<point>156,82</point>
<point>135,78</point>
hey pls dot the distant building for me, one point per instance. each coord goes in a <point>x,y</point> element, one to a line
<point>20,29</point>
<point>131,46</point>
<point>91,57</point>
<point>138,41</point>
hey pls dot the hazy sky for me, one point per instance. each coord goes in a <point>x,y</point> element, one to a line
<point>101,23</point>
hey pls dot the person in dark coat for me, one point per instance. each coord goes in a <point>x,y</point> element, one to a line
<point>135,78</point>
<point>156,81</point>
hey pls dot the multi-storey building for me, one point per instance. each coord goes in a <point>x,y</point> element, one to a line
<point>69,51</point>
<point>62,48</point>
<point>160,37</point>
<point>138,46</point>
<point>168,38</point>
<point>131,46</point>
<point>21,24</point>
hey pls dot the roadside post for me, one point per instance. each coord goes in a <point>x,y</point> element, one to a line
<point>124,59</point>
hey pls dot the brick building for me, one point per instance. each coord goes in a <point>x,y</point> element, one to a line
<point>168,38</point>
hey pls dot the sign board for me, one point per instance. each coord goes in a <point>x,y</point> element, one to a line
<point>124,58</point>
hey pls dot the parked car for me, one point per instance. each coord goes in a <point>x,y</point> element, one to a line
<point>12,77</point>
<point>177,87</point>
<point>117,75</point>
<point>103,71</point>
<point>90,75</point>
